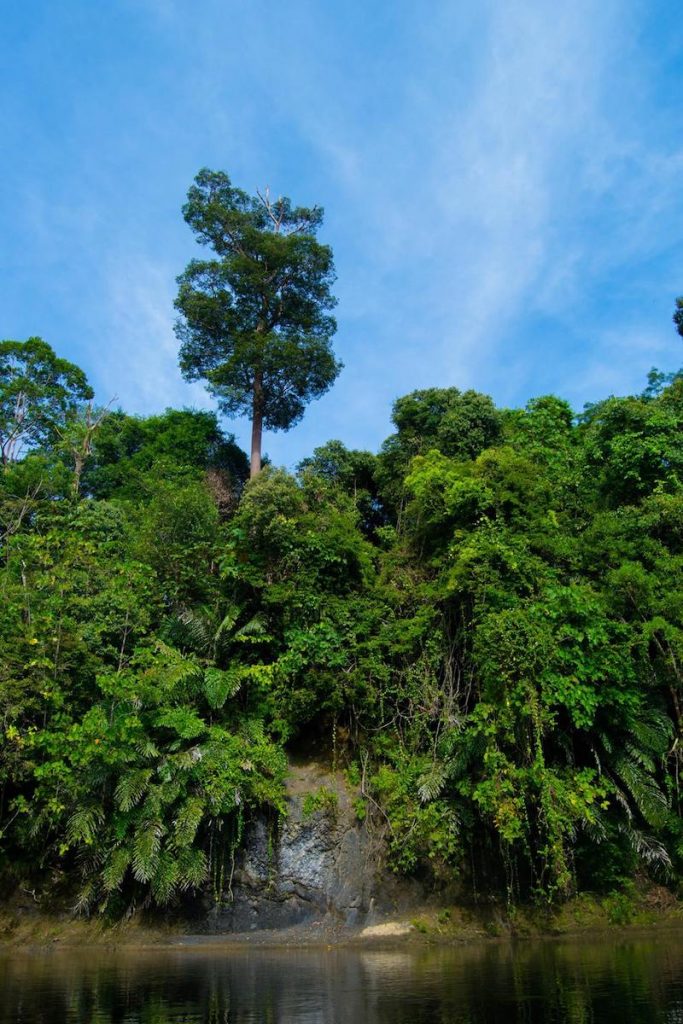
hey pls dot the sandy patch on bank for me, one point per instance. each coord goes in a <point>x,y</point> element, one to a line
<point>387,930</point>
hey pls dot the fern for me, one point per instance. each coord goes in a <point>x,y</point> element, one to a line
<point>219,685</point>
<point>431,784</point>
<point>177,669</point>
<point>132,787</point>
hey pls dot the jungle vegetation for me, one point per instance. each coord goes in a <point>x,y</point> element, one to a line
<point>482,624</point>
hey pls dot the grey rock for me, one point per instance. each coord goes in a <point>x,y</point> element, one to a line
<point>324,865</point>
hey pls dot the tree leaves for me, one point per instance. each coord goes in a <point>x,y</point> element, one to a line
<point>488,628</point>
<point>219,685</point>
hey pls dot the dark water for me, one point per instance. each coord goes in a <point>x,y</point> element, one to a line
<point>530,983</point>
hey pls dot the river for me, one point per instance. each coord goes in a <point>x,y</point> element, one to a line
<point>632,979</point>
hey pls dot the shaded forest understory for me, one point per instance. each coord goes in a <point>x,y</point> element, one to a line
<point>482,625</point>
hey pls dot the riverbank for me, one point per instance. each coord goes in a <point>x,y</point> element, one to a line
<point>585,914</point>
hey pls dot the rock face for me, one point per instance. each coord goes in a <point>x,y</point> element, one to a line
<point>321,864</point>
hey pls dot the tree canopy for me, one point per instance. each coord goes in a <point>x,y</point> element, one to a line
<point>482,624</point>
<point>39,391</point>
<point>255,319</point>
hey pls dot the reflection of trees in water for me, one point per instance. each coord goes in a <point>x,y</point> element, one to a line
<point>529,983</point>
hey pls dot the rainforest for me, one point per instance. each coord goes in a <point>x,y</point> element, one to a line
<point>481,624</point>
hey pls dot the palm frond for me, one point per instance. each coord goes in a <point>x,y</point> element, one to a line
<point>147,748</point>
<point>194,868</point>
<point>146,847</point>
<point>255,628</point>
<point>641,757</point>
<point>651,851</point>
<point>652,731</point>
<point>165,878</point>
<point>181,761</point>
<point>178,669</point>
<point>83,825</point>
<point>190,632</point>
<point>115,869</point>
<point>132,787</point>
<point>648,798</point>
<point>223,637</point>
<point>188,821</point>
<point>86,897</point>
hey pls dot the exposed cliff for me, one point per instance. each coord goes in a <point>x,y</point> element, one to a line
<point>320,863</point>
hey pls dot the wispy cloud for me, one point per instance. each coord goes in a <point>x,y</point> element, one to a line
<point>496,209</point>
<point>461,188</point>
<point>502,184</point>
<point>139,352</point>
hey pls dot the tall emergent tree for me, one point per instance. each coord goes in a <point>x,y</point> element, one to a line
<point>254,320</point>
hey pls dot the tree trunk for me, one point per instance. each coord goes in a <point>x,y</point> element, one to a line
<point>256,427</point>
<point>79,462</point>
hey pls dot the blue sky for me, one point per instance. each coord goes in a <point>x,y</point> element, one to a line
<point>502,182</point>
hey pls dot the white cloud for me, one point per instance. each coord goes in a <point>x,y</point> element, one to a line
<point>139,357</point>
<point>464,185</point>
<point>489,171</point>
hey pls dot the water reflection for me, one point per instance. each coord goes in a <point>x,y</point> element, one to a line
<point>530,983</point>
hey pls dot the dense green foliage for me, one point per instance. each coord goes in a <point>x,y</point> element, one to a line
<point>255,319</point>
<point>483,625</point>
<point>39,395</point>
